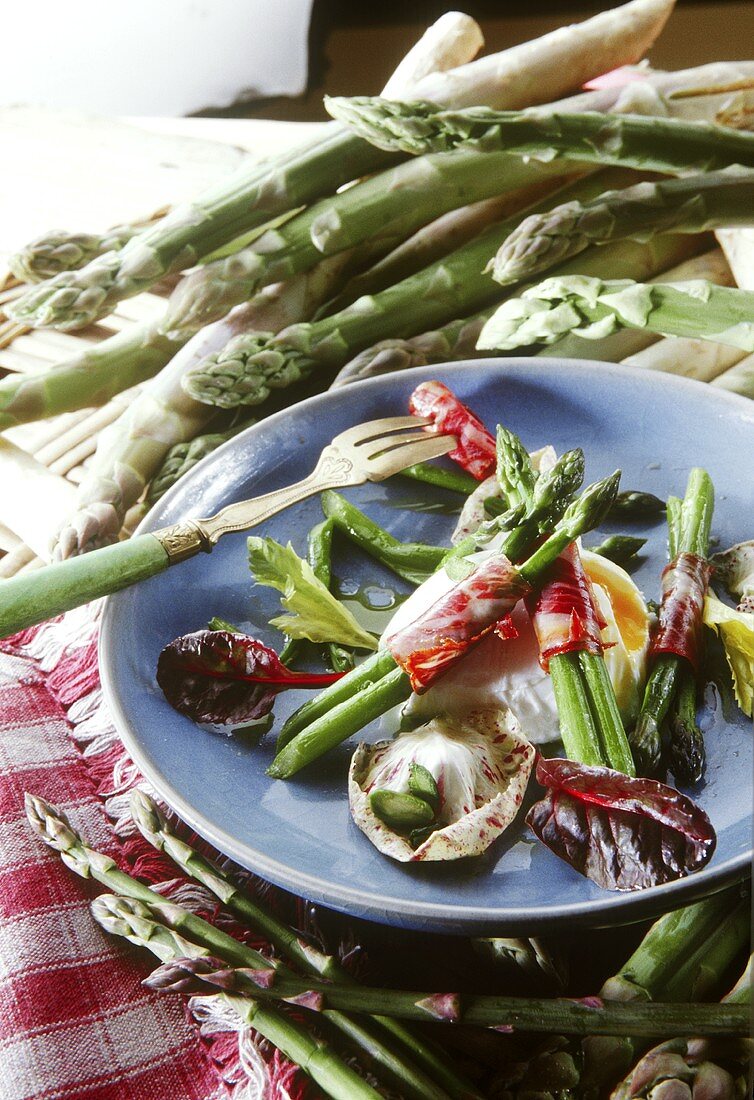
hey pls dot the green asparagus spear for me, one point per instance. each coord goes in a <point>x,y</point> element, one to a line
<point>59,250</point>
<point>530,1014</point>
<point>633,141</point>
<point>157,830</point>
<point>353,712</point>
<point>412,561</point>
<point>621,549</point>
<point>686,755</point>
<point>692,204</point>
<point>592,309</point>
<point>633,504</point>
<point>689,527</point>
<point>89,378</point>
<point>182,457</point>
<point>456,481</point>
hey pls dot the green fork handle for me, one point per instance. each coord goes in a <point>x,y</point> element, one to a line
<point>33,597</point>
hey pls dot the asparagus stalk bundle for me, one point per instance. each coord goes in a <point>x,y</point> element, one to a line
<point>133,448</point>
<point>380,683</point>
<point>387,207</point>
<point>517,77</point>
<point>592,309</point>
<point>590,724</point>
<point>692,204</point>
<point>249,368</point>
<point>671,688</point>
<point>169,930</point>
<point>458,339</point>
<point>650,144</point>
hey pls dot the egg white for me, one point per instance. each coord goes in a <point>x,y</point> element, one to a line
<point>507,674</point>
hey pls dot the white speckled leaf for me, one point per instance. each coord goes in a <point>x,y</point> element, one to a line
<point>481,767</point>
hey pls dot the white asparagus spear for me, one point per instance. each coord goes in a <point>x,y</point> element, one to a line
<point>453,40</point>
<point>555,64</point>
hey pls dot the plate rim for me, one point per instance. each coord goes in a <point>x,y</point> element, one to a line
<point>616,909</point>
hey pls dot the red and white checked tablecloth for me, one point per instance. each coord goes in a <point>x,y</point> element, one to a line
<point>75,1021</point>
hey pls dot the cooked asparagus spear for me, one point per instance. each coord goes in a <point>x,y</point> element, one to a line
<point>534,72</point>
<point>157,830</point>
<point>665,145</point>
<point>619,548</point>
<point>352,713</point>
<point>689,528</point>
<point>592,309</point>
<point>692,204</point>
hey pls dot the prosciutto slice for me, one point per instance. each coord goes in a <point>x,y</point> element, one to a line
<point>476,446</point>
<point>564,613</point>
<point>684,586</point>
<point>476,605</point>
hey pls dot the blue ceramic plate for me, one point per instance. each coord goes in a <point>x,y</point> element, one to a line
<point>298,834</point>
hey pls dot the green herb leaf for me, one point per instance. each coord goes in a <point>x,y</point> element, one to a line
<point>315,613</point>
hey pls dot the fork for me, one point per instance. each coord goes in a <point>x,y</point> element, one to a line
<point>367,452</point>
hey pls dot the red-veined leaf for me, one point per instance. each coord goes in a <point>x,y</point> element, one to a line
<point>222,677</point>
<point>622,833</point>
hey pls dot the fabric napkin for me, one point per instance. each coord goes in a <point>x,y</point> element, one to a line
<point>75,1021</point>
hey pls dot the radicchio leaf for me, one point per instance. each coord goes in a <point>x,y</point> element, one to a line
<point>221,677</point>
<point>475,451</point>
<point>620,832</point>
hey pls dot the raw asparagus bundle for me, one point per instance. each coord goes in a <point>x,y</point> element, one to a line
<point>458,339</point>
<point>692,204</point>
<point>671,688</point>
<point>171,931</point>
<point>155,828</point>
<point>650,144</point>
<point>388,206</point>
<point>514,78</point>
<point>380,682</point>
<point>249,368</point>
<point>592,309</point>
